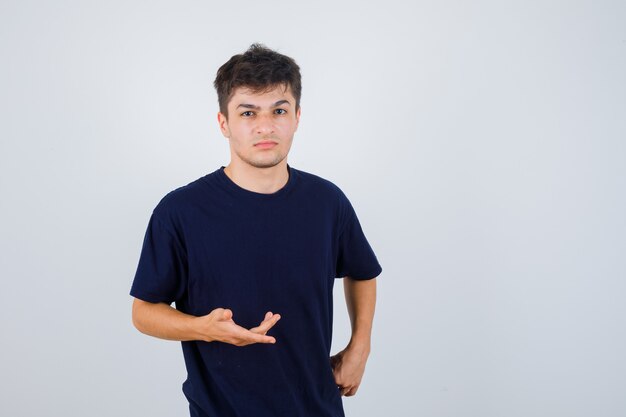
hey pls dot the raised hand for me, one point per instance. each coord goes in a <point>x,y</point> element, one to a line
<point>219,326</point>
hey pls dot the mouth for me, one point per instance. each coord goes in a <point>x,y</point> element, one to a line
<point>265,144</point>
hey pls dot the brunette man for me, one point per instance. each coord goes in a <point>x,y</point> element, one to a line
<point>249,254</point>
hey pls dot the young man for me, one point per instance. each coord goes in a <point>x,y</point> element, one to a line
<point>249,254</point>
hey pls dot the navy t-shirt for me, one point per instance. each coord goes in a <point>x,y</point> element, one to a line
<point>212,243</point>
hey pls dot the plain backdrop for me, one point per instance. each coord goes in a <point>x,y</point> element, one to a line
<point>481,143</point>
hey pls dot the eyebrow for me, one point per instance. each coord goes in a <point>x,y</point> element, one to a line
<point>252,106</point>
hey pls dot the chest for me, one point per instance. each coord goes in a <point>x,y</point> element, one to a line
<point>259,259</point>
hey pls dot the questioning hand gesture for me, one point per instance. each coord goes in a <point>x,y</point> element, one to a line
<point>219,326</point>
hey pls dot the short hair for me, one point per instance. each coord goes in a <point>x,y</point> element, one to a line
<point>259,69</point>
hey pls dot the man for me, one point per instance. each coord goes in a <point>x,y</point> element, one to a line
<point>249,254</point>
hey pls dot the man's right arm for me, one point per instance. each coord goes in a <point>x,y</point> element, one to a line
<point>165,322</point>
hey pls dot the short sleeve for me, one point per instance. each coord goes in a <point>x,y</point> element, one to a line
<point>355,257</point>
<point>161,274</point>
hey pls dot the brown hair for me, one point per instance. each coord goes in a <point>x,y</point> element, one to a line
<point>259,69</point>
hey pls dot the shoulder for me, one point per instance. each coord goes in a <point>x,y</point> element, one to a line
<point>326,192</point>
<point>179,200</point>
<point>320,186</point>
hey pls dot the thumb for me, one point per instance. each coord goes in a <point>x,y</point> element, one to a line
<point>228,314</point>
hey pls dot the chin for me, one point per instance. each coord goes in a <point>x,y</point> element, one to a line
<point>266,163</point>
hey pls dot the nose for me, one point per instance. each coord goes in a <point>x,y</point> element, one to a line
<point>265,125</point>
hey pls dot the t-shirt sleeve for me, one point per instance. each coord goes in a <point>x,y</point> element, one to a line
<point>161,274</point>
<point>355,257</point>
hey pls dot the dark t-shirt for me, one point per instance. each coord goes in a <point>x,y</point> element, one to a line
<point>212,243</point>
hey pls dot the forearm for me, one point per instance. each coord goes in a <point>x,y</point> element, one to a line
<point>163,321</point>
<point>361,302</point>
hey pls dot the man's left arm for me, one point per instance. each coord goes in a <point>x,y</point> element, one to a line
<point>349,364</point>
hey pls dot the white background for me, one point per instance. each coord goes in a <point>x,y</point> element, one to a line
<point>482,145</point>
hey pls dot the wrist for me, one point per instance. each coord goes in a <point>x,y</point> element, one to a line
<point>360,345</point>
<point>197,329</point>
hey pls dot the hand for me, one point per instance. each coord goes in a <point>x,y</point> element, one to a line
<point>348,368</point>
<point>219,326</point>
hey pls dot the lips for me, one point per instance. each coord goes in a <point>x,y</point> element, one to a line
<point>266,142</point>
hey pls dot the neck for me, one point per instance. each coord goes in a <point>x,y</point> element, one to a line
<point>259,180</point>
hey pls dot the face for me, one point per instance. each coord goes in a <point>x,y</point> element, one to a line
<point>255,118</point>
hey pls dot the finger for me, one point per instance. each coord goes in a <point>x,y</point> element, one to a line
<point>269,316</point>
<point>259,338</point>
<point>227,314</point>
<point>269,322</point>
<point>235,334</point>
<point>240,336</point>
<point>266,324</point>
<point>252,337</point>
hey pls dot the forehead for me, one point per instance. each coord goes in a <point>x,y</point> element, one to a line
<point>244,95</point>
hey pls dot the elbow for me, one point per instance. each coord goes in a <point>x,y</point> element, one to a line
<point>136,315</point>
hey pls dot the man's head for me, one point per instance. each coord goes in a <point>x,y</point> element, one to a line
<point>259,96</point>
<point>259,69</point>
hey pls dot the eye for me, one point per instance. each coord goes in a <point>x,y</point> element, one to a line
<point>281,110</point>
<point>247,113</point>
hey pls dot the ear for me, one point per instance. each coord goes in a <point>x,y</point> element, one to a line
<point>298,117</point>
<point>223,123</point>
